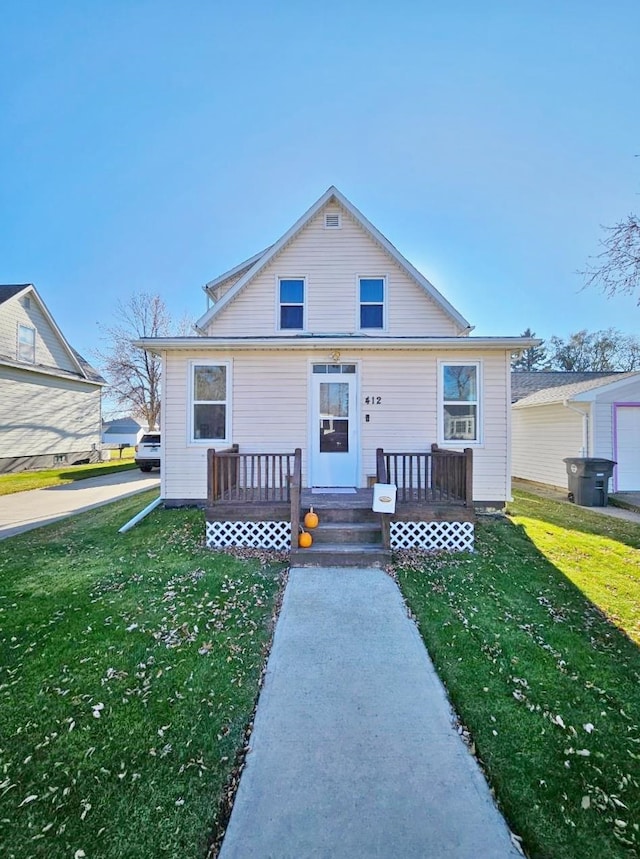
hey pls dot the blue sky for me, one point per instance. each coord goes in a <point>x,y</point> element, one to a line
<point>149,146</point>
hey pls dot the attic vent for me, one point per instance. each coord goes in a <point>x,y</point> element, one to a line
<point>332,221</point>
<point>26,302</point>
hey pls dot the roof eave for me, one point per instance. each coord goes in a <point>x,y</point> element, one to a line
<point>316,342</point>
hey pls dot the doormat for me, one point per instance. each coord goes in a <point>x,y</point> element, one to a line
<point>333,490</point>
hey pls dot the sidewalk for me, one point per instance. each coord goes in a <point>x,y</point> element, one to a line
<point>23,511</point>
<point>353,752</point>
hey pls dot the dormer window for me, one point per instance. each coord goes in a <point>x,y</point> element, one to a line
<point>291,304</point>
<point>372,302</point>
<point>26,344</point>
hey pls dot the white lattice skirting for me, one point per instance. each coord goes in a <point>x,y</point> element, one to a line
<point>433,536</point>
<point>256,535</point>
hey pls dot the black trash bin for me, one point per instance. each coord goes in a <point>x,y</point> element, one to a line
<point>589,480</point>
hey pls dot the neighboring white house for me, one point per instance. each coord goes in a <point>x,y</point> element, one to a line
<point>121,432</point>
<point>332,342</point>
<point>49,395</point>
<point>558,415</point>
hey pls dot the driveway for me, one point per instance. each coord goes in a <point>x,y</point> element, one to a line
<point>23,511</point>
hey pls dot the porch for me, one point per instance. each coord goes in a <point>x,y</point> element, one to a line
<point>257,500</point>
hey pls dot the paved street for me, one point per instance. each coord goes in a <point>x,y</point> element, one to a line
<point>23,511</point>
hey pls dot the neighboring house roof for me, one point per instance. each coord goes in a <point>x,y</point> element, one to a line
<point>7,291</point>
<point>572,386</point>
<point>524,383</point>
<point>256,264</point>
<point>121,425</point>
<point>84,370</point>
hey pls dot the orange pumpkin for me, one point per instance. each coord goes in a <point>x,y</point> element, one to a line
<point>305,540</point>
<point>311,519</point>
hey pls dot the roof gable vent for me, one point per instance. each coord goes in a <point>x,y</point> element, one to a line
<point>332,221</point>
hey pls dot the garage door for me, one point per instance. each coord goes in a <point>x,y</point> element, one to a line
<point>628,448</point>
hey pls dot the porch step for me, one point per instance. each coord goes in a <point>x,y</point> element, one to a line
<point>341,555</point>
<point>347,532</point>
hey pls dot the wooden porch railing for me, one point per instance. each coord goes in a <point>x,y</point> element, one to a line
<point>256,478</point>
<point>437,476</point>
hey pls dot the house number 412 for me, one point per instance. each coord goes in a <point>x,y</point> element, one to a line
<point>372,401</point>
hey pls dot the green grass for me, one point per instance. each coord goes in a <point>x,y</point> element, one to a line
<point>528,635</point>
<point>129,670</point>
<point>23,480</point>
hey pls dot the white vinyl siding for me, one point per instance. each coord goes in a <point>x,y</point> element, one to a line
<point>271,412</point>
<point>45,415</point>
<point>49,350</point>
<point>542,436</point>
<point>332,260</point>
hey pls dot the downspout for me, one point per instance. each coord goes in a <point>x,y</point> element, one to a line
<point>585,426</point>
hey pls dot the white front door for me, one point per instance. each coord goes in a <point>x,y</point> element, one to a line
<point>628,448</point>
<point>334,425</point>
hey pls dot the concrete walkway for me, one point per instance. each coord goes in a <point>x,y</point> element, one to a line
<point>629,502</point>
<point>23,511</point>
<point>353,752</point>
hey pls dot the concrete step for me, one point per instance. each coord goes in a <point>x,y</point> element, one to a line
<point>340,555</point>
<point>351,533</point>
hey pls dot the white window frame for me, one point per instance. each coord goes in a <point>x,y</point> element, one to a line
<point>280,304</point>
<point>359,304</point>
<point>192,441</point>
<point>454,443</point>
<point>32,346</point>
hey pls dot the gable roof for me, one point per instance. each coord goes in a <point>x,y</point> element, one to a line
<point>524,383</point>
<point>572,386</point>
<point>84,369</point>
<point>257,263</point>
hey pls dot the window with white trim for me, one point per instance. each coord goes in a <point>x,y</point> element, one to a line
<point>26,344</point>
<point>291,303</point>
<point>371,302</point>
<point>210,411</point>
<point>460,402</point>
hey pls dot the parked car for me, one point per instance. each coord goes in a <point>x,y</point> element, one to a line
<point>149,451</point>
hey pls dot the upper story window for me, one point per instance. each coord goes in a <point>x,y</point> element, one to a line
<point>26,344</point>
<point>291,303</point>
<point>461,402</point>
<point>210,407</point>
<point>372,302</point>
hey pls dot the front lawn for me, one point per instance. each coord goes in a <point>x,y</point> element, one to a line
<point>130,667</point>
<point>533,637</point>
<point>23,480</point>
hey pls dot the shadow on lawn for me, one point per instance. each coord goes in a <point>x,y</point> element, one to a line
<point>566,515</point>
<point>599,621</point>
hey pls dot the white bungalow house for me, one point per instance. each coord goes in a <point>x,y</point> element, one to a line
<point>559,415</point>
<point>49,395</point>
<point>331,343</point>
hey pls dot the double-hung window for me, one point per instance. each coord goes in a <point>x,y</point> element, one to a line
<point>291,303</point>
<point>26,344</point>
<point>371,302</point>
<point>460,402</point>
<point>210,407</point>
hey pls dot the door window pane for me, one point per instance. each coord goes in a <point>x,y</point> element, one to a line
<point>334,414</point>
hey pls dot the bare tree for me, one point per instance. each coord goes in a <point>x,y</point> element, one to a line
<point>134,375</point>
<point>607,351</point>
<point>617,268</point>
